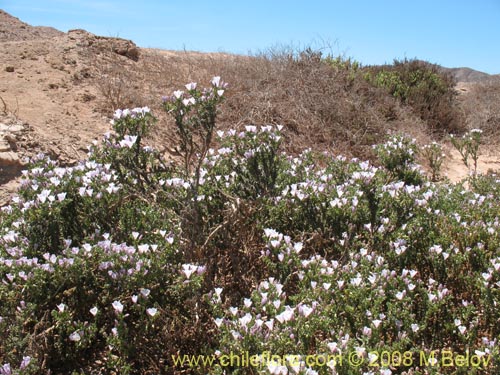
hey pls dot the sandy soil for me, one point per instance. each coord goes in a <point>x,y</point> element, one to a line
<point>455,169</point>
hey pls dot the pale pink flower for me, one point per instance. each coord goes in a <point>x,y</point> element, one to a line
<point>152,311</point>
<point>118,306</point>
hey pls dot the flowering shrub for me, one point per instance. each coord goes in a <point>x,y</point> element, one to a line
<point>195,114</point>
<point>468,146</point>
<point>433,153</point>
<point>397,155</point>
<point>105,268</point>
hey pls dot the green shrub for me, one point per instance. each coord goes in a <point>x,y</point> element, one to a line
<point>426,88</point>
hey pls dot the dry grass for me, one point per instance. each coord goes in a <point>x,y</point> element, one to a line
<point>481,107</point>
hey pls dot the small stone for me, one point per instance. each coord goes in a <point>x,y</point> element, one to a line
<point>9,69</point>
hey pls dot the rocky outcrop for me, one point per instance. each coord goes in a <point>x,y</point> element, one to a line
<point>12,29</point>
<point>122,47</point>
<point>9,136</point>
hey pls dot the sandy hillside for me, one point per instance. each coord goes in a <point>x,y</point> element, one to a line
<point>48,95</point>
<point>53,98</point>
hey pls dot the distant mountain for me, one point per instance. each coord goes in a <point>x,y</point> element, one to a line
<point>470,75</point>
<point>12,29</point>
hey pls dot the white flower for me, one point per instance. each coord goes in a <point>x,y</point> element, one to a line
<point>145,292</point>
<point>436,249</point>
<point>218,322</point>
<point>297,247</point>
<point>479,353</point>
<point>215,81</point>
<point>42,197</point>
<point>191,86</point>
<point>286,315</point>
<point>178,94</point>
<point>270,324</point>
<point>247,318</point>
<point>276,369</point>
<point>486,276</point>
<point>128,141</point>
<point>233,310</point>
<point>118,114</point>
<point>356,281</point>
<point>151,311</point>
<point>143,248</point>
<point>61,307</point>
<point>271,233</point>
<point>305,310</point>
<point>118,306</point>
<point>188,102</point>
<point>94,310</point>
<point>75,336</point>
<point>189,269</point>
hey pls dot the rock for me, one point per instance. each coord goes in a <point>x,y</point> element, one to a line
<point>8,141</point>
<point>9,69</point>
<point>9,159</point>
<point>4,145</point>
<point>13,128</point>
<point>127,49</point>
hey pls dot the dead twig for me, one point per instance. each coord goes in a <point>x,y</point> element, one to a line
<point>5,108</point>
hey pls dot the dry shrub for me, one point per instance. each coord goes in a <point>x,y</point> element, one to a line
<point>481,107</point>
<point>321,106</point>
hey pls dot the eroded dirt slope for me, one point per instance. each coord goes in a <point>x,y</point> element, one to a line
<point>48,95</point>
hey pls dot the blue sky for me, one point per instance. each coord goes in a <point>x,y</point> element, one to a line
<point>453,33</point>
